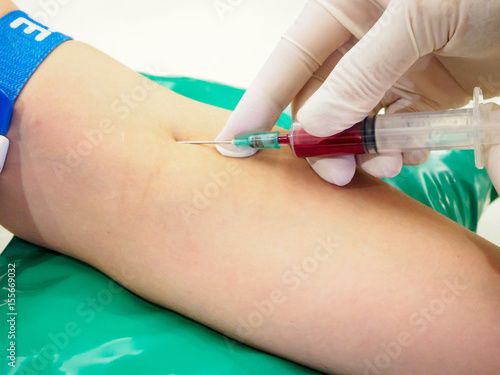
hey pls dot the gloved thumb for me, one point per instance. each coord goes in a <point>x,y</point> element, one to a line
<point>363,76</point>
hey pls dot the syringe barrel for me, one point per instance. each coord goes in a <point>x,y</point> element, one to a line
<point>470,128</point>
<point>474,128</point>
<point>439,130</point>
<point>348,142</point>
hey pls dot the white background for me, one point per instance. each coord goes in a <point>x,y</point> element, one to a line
<point>222,40</point>
<point>225,41</point>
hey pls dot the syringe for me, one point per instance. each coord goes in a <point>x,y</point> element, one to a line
<point>469,128</point>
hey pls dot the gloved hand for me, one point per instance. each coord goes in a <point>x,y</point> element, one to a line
<point>345,59</point>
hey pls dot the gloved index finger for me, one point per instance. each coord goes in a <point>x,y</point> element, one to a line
<point>305,46</point>
<point>366,72</point>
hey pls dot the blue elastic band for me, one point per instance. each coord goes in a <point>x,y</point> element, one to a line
<point>24,44</point>
<point>6,109</point>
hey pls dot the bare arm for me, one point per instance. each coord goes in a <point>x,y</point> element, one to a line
<point>260,249</point>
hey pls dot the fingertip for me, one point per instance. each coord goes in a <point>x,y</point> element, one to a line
<point>382,166</point>
<point>234,152</point>
<point>416,157</point>
<point>393,169</point>
<point>316,118</point>
<point>342,179</point>
<point>336,170</point>
<point>323,115</point>
<point>230,150</point>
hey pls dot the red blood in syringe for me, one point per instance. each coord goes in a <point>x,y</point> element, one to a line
<point>303,144</point>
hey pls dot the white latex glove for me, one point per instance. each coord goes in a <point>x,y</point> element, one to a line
<point>416,55</point>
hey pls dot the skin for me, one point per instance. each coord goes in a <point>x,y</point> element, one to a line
<point>392,272</point>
